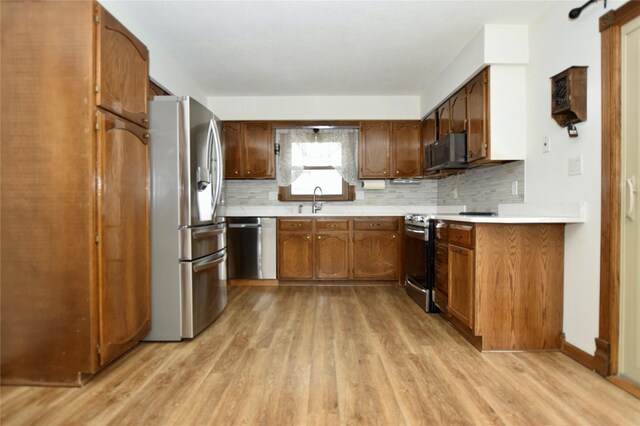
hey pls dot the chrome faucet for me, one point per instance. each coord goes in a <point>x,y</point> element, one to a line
<point>316,206</point>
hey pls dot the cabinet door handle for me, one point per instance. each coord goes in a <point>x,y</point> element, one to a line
<point>394,236</point>
<point>308,237</point>
<point>631,199</point>
<point>319,237</point>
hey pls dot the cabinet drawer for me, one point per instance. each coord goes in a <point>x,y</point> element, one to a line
<point>442,278</point>
<point>461,234</point>
<point>442,231</point>
<point>294,225</point>
<point>442,253</point>
<point>375,224</point>
<point>332,224</point>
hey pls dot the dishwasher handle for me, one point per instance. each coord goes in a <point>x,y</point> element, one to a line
<point>244,225</point>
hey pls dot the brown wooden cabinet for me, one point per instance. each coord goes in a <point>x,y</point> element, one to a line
<point>122,62</point>
<point>338,248</point>
<point>458,110</point>
<point>444,119</point>
<point>390,149</point>
<point>406,149</point>
<point>430,129</point>
<point>374,149</point>
<point>75,192</point>
<point>295,249</point>
<point>376,248</point>
<point>505,284</point>
<point>123,252</point>
<point>248,150</point>
<point>478,117</point>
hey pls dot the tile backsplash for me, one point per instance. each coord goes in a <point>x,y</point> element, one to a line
<point>483,188</point>
<point>256,193</point>
<point>479,189</point>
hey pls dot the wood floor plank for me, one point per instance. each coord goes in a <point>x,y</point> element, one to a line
<point>326,355</point>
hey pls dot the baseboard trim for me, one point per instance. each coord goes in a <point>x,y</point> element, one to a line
<point>626,385</point>
<point>577,354</point>
<point>245,282</point>
<point>602,357</point>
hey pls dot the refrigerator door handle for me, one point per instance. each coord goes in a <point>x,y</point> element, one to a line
<point>217,143</point>
<point>203,177</point>
<point>208,264</point>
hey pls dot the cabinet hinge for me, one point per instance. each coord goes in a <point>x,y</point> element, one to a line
<point>97,126</point>
<point>276,149</point>
<point>97,238</point>
<point>98,349</point>
<point>96,18</point>
<point>96,89</point>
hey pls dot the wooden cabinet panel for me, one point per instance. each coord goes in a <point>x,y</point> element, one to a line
<point>375,224</point>
<point>458,110</point>
<point>75,279</point>
<point>430,129</point>
<point>406,150</point>
<point>478,117</point>
<point>295,224</point>
<point>231,134</point>
<point>461,284</point>
<point>332,224</point>
<point>258,150</point>
<point>374,150</point>
<point>332,255</point>
<point>295,255</point>
<point>376,254</point>
<point>124,237</point>
<point>122,84</point>
<point>461,234</point>
<point>444,120</point>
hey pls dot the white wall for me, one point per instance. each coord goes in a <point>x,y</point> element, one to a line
<point>557,43</point>
<point>162,68</point>
<point>315,107</point>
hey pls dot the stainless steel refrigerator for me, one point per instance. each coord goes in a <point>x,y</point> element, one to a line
<point>188,235</point>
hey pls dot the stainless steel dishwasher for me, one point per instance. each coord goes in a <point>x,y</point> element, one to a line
<point>251,247</point>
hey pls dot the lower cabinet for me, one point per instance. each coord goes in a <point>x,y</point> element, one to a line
<point>505,284</point>
<point>338,248</point>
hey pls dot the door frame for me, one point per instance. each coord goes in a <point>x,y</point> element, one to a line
<point>607,342</point>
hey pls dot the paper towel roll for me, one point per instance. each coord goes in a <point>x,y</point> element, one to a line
<point>373,184</point>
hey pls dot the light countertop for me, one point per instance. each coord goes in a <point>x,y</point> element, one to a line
<point>571,212</point>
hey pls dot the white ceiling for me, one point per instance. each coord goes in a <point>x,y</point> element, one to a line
<point>305,48</point>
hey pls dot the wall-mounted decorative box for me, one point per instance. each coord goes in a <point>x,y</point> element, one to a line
<point>569,96</point>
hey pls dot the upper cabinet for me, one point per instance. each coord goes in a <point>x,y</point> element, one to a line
<point>444,119</point>
<point>406,149</point>
<point>248,150</point>
<point>122,84</point>
<point>390,149</point>
<point>374,149</point>
<point>477,117</point>
<point>430,129</point>
<point>458,110</point>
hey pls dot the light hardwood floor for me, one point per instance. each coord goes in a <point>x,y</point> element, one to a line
<point>327,355</point>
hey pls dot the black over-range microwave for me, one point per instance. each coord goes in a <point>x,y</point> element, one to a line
<point>448,152</point>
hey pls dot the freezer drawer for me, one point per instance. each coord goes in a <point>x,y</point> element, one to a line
<point>204,292</point>
<point>202,240</point>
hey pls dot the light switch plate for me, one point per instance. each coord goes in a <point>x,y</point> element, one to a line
<point>575,166</point>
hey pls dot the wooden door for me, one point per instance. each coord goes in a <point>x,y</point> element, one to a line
<point>406,150</point>
<point>295,255</point>
<point>332,255</point>
<point>122,64</point>
<point>376,255</point>
<point>429,129</point>
<point>258,153</point>
<point>231,137</point>
<point>123,235</point>
<point>444,120</point>
<point>461,284</point>
<point>477,117</point>
<point>458,110</point>
<point>374,149</point>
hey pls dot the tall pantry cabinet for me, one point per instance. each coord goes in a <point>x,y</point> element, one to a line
<point>75,191</point>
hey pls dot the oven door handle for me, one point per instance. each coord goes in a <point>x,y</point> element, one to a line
<point>413,232</point>
<point>420,289</point>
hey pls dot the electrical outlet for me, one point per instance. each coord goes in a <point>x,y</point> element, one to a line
<point>546,144</point>
<point>575,166</point>
<point>514,187</point>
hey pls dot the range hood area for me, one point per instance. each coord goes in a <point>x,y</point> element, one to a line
<point>448,152</point>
